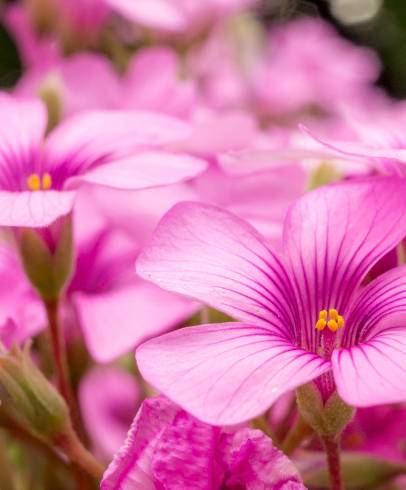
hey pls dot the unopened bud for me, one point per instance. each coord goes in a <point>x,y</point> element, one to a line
<point>28,397</point>
<point>48,256</point>
<point>327,419</point>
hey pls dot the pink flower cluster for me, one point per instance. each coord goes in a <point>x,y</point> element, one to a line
<point>203,226</point>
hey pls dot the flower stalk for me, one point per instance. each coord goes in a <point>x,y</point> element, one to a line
<point>332,449</point>
<point>60,360</point>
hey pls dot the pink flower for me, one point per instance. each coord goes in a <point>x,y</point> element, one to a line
<point>378,430</point>
<point>112,308</point>
<point>174,16</point>
<point>115,149</point>
<point>166,448</point>
<point>291,309</point>
<point>21,314</point>
<point>108,398</point>
<point>309,66</point>
<point>153,81</point>
<point>66,80</point>
<point>381,143</point>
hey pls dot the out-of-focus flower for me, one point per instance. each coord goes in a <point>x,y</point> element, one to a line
<point>113,308</point>
<point>120,149</point>
<point>378,430</point>
<point>168,448</point>
<point>177,16</point>
<point>109,398</point>
<point>381,143</point>
<point>21,315</point>
<point>292,310</point>
<point>308,67</point>
<point>154,81</point>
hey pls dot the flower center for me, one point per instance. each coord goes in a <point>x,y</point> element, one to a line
<point>331,319</point>
<point>37,183</point>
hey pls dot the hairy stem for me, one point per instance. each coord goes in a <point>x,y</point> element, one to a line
<point>296,435</point>
<point>332,448</point>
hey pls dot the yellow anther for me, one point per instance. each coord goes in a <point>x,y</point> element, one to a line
<point>46,181</point>
<point>323,315</point>
<point>332,325</point>
<point>333,314</point>
<point>321,324</point>
<point>331,319</point>
<point>34,182</point>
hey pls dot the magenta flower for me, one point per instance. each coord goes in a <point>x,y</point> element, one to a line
<point>120,149</point>
<point>303,316</point>
<point>168,448</point>
<point>378,430</point>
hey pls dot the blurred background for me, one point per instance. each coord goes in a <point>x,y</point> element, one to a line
<point>379,24</point>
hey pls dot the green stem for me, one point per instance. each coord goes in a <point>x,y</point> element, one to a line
<point>332,449</point>
<point>296,435</point>
<point>78,454</point>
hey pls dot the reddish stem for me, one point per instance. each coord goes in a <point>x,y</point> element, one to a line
<point>332,448</point>
<point>61,362</point>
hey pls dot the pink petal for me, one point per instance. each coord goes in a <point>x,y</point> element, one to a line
<point>21,137</point>
<point>115,322</point>
<point>184,456</point>
<point>253,462</point>
<point>144,170</point>
<point>211,255</point>
<point>131,467</point>
<point>358,149</point>
<point>334,235</point>
<point>374,372</point>
<point>108,397</point>
<point>380,306</point>
<point>225,373</point>
<point>158,14</point>
<point>34,209</point>
<point>91,138</point>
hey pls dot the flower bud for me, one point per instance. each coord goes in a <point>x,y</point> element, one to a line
<point>47,256</point>
<point>327,419</point>
<point>28,397</point>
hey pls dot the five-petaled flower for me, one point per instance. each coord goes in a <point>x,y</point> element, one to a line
<point>303,316</point>
<point>120,149</point>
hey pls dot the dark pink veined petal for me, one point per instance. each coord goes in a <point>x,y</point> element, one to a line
<point>228,373</point>
<point>21,134</point>
<point>89,139</point>
<point>334,235</point>
<point>374,372</point>
<point>184,457</point>
<point>131,467</point>
<point>253,462</point>
<point>211,255</point>
<point>34,209</point>
<point>144,170</point>
<point>380,306</point>
<point>115,322</point>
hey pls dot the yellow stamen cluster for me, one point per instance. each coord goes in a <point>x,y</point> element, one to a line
<point>36,183</point>
<point>330,319</point>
